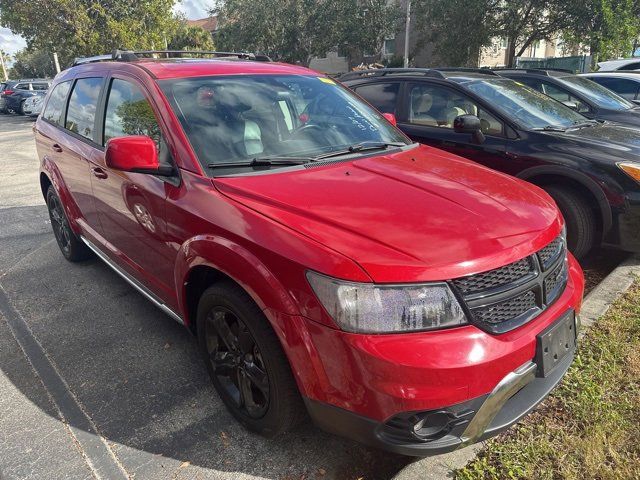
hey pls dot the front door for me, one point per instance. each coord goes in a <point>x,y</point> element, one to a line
<point>431,110</point>
<point>131,206</point>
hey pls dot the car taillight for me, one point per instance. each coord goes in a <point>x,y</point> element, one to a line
<point>6,93</point>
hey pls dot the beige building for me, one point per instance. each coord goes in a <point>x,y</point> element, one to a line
<point>495,55</point>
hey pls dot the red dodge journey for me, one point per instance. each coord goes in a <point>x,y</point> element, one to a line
<point>398,295</point>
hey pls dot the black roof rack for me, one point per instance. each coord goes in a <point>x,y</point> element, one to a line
<point>549,72</point>
<point>381,72</point>
<point>482,71</point>
<point>427,72</point>
<point>134,55</point>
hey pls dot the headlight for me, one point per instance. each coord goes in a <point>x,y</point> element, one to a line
<point>370,308</point>
<point>630,168</point>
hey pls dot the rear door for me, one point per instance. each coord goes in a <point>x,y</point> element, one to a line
<point>66,138</point>
<point>131,206</point>
<point>622,86</point>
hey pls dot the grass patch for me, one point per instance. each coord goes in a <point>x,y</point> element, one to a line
<point>588,427</point>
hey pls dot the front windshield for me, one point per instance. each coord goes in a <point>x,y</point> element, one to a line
<point>236,119</point>
<point>601,96</point>
<point>529,108</point>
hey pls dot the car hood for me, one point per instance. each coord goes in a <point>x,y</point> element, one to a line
<point>615,140</point>
<point>417,215</point>
<point>627,117</point>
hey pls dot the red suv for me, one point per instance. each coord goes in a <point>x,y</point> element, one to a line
<point>400,295</point>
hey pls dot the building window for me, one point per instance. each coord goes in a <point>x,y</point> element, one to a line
<point>503,43</point>
<point>389,47</point>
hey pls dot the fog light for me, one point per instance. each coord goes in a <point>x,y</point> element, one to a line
<point>433,425</point>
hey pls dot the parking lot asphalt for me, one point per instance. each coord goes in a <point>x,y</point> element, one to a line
<point>95,382</point>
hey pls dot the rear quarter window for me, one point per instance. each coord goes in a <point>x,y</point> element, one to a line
<point>54,111</point>
<point>83,102</point>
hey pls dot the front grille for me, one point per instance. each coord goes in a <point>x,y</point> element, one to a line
<point>504,311</point>
<point>512,273</point>
<point>505,298</point>
<point>549,254</point>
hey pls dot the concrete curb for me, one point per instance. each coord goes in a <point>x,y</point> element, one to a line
<point>595,304</point>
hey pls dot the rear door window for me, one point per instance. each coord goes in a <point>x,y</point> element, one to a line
<point>54,111</point>
<point>81,113</point>
<point>383,96</point>
<point>40,86</point>
<point>21,86</point>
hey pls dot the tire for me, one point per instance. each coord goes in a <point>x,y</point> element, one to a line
<point>579,217</point>
<point>72,248</point>
<point>21,108</point>
<point>246,362</point>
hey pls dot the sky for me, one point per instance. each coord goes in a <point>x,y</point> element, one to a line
<point>193,9</point>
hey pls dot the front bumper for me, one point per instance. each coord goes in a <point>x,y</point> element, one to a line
<point>368,387</point>
<point>624,233</point>
<point>517,394</point>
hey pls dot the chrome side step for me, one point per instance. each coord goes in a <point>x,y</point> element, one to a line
<point>133,282</point>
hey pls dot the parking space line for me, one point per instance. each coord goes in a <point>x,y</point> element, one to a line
<point>94,448</point>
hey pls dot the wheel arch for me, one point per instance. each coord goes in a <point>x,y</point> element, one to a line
<point>207,259</point>
<point>586,186</point>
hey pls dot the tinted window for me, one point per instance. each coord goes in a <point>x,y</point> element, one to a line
<point>40,86</point>
<point>622,86</point>
<point>631,66</point>
<point>129,113</point>
<point>436,106</point>
<point>565,97</point>
<point>383,96</point>
<point>83,102</point>
<point>21,86</point>
<point>54,111</point>
<point>599,95</point>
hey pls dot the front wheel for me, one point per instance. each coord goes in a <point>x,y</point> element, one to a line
<point>579,217</point>
<point>72,248</point>
<point>246,362</point>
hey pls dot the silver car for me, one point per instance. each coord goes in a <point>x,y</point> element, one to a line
<point>33,105</point>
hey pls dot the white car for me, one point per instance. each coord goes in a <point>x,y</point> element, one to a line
<point>33,105</point>
<point>620,64</point>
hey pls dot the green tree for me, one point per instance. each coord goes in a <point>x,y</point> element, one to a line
<point>186,37</point>
<point>607,27</point>
<point>88,27</point>
<point>32,64</point>
<point>297,30</point>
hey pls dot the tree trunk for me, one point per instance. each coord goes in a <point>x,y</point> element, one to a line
<point>510,54</point>
<point>594,49</point>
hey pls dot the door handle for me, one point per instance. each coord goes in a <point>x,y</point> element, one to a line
<point>99,172</point>
<point>57,148</point>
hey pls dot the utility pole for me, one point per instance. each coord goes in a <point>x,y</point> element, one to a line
<point>407,24</point>
<point>4,69</point>
<point>56,63</point>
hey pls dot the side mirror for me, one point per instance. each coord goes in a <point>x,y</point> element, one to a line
<point>391,118</point>
<point>469,124</point>
<point>137,153</point>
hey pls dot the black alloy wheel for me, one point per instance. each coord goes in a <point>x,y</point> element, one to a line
<point>237,362</point>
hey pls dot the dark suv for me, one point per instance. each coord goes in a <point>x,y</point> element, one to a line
<point>591,169</point>
<point>579,93</point>
<point>15,92</point>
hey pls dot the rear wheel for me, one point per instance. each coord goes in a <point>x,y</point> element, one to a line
<point>21,108</point>
<point>72,248</point>
<point>246,362</point>
<point>579,217</point>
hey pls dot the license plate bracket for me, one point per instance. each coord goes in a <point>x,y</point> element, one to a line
<point>556,342</point>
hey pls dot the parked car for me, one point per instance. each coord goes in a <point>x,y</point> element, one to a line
<point>625,84</point>
<point>32,106</point>
<point>401,295</point>
<point>579,93</point>
<point>16,94</point>
<point>620,64</point>
<point>591,169</point>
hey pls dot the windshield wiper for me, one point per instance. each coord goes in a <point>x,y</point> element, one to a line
<point>263,162</point>
<point>552,128</point>
<point>588,123</point>
<point>360,147</point>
